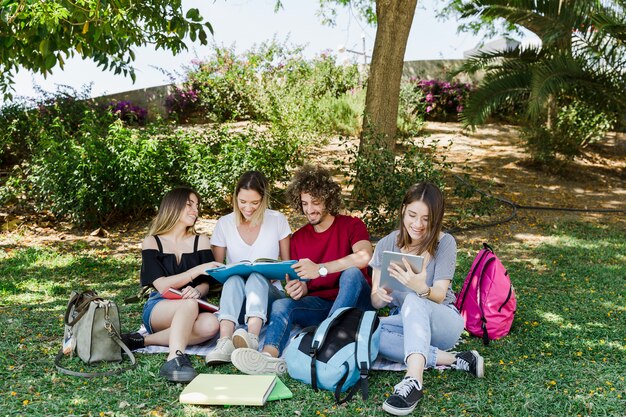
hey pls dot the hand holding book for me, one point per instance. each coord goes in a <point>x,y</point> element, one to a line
<point>269,268</point>
<point>174,294</point>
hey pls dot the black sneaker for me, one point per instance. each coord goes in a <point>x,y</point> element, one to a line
<point>470,361</point>
<point>178,369</point>
<point>405,397</point>
<point>134,341</point>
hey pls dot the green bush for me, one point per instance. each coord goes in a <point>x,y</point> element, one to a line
<point>380,177</point>
<point>15,138</point>
<point>95,179</point>
<point>217,159</point>
<point>411,110</point>
<point>577,125</point>
<point>342,115</point>
<point>271,83</point>
<point>98,179</point>
<point>226,87</point>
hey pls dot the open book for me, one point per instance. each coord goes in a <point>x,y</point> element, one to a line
<point>269,268</point>
<point>174,294</point>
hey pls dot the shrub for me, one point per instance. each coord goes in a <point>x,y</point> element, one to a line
<point>577,125</point>
<point>271,83</point>
<point>95,179</point>
<point>15,133</point>
<point>342,115</point>
<point>226,85</point>
<point>98,179</point>
<point>182,104</point>
<point>380,178</point>
<point>128,112</point>
<point>439,100</point>
<point>217,159</point>
<point>411,110</point>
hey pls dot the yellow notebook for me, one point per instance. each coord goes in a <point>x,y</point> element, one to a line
<point>221,389</point>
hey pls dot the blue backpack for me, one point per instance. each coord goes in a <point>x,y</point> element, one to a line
<point>337,354</point>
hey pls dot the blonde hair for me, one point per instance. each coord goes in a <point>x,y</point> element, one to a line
<point>171,209</point>
<point>255,181</point>
<point>432,196</point>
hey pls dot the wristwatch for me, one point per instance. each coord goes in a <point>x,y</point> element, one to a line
<point>322,271</point>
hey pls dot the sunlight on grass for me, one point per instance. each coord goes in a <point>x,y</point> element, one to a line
<point>564,356</point>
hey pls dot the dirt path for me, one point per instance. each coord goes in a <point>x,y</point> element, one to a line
<point>493,156</point>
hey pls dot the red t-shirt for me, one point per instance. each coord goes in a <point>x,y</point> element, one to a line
<point>329,245</point>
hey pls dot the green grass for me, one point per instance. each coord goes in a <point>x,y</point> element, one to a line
<point>564,357</point>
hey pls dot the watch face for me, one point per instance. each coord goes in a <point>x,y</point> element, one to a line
<point>323,271</point>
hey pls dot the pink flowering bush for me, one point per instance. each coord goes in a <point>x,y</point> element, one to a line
<point>128,112</point>
<point>182,104</point>
<point>437,100</point>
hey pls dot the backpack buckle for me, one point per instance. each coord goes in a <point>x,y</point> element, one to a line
<point>364,370</point>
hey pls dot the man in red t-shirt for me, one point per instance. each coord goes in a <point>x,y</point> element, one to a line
<point>333,251</point>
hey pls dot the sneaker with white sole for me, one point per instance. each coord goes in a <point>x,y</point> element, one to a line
<point>406,395</point>
<point>222,352</point>
<point>470,361</point>
<point>253,362</point>
<point>244,339</point>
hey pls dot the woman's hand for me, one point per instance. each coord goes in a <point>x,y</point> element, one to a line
<point>381,297</point>
<point>210,265</point>
<point>191,292</point>
<point>408,278</point>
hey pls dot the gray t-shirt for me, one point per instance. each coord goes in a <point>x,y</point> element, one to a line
<point>442,266</point>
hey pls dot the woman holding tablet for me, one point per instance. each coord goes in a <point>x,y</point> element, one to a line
<point>250,232</point>
<point>423,323</point>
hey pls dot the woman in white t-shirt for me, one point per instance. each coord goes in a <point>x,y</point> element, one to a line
<point>250,232</point>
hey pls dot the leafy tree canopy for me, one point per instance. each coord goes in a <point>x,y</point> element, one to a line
<point>39,35</point>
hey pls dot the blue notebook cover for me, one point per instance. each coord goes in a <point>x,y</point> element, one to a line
<point>269,269</point>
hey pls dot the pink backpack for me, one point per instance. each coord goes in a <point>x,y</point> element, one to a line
<point>487,300</point>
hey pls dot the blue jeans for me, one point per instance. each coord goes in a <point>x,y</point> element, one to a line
<point>354,291</point>
<point>152,301</point>
<point>257,292</point>
<point>422,326</point>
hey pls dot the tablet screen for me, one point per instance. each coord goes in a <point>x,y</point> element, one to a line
<point>389,282</point>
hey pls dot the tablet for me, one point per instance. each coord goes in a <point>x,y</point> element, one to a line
<point>389,282</point>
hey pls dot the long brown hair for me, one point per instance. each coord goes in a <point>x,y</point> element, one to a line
<point>256,181</point>
<point>432,196</point>
<point>171,209</point>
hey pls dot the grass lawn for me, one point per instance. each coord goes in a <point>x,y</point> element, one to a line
<point>565,355</point>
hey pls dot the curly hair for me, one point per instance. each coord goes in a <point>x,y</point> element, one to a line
<point>317,182</point>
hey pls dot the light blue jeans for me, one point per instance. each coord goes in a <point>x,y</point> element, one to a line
<point>354,291</point>
<point>256,291</point>
<point>421,326</point>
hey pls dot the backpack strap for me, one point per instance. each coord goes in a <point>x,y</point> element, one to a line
<point>472,276</point>
<point>318,339</point>
<point>195,243</point>
<point>483,319</point>
<point>363,350</point>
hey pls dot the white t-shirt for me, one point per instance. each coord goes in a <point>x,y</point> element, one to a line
<point>273,229</point>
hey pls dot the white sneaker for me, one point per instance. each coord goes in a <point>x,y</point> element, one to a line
<point>243,339</point>
<point>222,352</point>
<point>253,362</point>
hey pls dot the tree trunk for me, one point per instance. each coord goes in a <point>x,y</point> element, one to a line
<point>394,19</point>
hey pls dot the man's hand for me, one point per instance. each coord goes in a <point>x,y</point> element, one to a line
<point>295,289</point>
<point>307,269</point>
